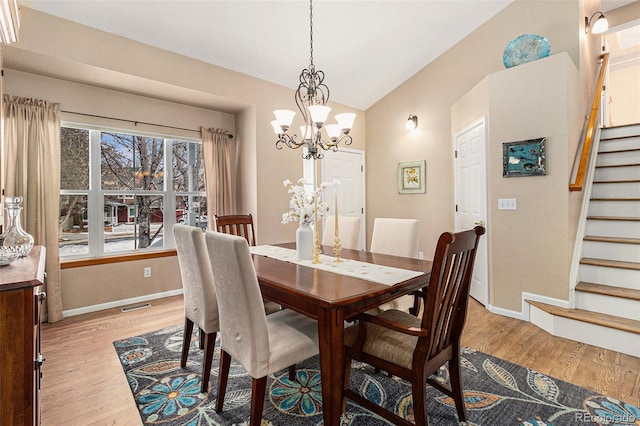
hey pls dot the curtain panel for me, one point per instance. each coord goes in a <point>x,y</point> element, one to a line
<point>216,152</point>
<point>32,171</point>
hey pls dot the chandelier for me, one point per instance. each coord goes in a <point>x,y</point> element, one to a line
<point>311,97</point>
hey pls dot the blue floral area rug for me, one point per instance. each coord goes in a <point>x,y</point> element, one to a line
<point>496,392</point>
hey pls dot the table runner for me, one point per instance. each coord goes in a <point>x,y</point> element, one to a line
<point>386,275</point>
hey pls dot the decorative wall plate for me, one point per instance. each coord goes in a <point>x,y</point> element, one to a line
<point>525,48</point>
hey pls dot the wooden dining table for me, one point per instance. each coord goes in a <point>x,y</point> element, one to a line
<point>332,298</point>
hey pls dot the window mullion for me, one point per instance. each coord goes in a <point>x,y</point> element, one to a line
<point>96,197</point>
<point>169,217</point>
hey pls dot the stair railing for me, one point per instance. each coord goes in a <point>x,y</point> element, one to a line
<point>589,128</point>
<point>589,144</point>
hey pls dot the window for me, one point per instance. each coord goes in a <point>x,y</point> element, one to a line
<point>120,190</point>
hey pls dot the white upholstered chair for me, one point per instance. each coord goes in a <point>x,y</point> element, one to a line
<point>200,302</point>
<point>348,231</point>
<point>397,237</point>
<point>242,226</point>
<point>262,344</point>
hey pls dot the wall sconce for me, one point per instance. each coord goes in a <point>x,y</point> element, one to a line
<point>412,122</point>
<point>601,25</point>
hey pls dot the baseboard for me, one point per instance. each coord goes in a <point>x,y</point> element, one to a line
<point>118,303</point>
<point>524,314</point>
<point>506,312</point>
<point>526,308</point>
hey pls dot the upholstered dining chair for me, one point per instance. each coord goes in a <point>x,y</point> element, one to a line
<point>413,348</point>
<point>262,344</point>
<point>397,237</point>
<point>348,231</point>
<point>242,226</point>
<point>200,302</point>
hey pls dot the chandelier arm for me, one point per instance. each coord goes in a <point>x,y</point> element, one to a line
<point>289,141</point>
<point>300,100</point>
<point>347,139</point>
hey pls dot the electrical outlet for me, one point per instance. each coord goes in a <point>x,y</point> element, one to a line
<point>147,272</point>
<point>421,255</point>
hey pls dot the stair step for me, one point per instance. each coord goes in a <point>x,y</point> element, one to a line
<point>612,226</point>
<point>618,151</point>
<point>617,144</point>
<point>609,290</point>
<point>615,132</point>
<point>619,240</point>
<point>615,199</point>
<point>604,166</point>
<point>615,138</point>
<point>590,317</point>
<point>621,157</point>
<point>610,263</point>
<point>622,248</point>
<point>617,173</point>
<point>605,207</point>
<point>627,218</point>
<point>618,181</point>
<point>619,189</point>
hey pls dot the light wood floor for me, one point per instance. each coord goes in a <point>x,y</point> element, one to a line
<point>83,382</point>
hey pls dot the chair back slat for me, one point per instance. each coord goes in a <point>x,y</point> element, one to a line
<point>448,291</point>
<point>240,225</point>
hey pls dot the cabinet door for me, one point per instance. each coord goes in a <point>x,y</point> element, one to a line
<point>39,298</point>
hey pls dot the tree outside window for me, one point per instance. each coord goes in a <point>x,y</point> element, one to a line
<point>121,203</point>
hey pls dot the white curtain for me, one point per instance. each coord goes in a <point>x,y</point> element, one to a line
<point>216,152</point>
<point>32,171</point>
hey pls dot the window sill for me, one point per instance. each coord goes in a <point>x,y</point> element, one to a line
<point>79,263</point>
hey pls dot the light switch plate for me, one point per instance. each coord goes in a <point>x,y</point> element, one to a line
<point>507,204</point>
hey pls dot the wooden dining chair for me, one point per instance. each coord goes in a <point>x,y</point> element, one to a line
<point>262,344</point>
<point>397,237</point>
<point>241,225</point>
<point>348,231</point>
<point>413,348</point>
<point>200,301</point>
<point>237,224</point>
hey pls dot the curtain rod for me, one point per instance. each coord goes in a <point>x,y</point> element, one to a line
<point>135,123</point>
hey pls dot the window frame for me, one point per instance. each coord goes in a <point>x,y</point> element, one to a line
<point>96,195</point>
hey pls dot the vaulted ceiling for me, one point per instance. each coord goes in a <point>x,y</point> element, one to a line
<point>366,48</point>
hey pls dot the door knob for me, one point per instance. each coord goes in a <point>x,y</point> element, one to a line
<point>481,223</point>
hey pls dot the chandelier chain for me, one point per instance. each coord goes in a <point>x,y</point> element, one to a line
<point>311,29</point>
<point>311,98</point>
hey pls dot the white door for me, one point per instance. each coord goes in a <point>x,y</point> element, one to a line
<point>471,198</point>
<point>347,167</point>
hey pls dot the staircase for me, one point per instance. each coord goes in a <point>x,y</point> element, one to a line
<point>607,296</point>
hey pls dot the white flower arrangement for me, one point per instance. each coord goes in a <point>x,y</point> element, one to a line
<point>304,202</point>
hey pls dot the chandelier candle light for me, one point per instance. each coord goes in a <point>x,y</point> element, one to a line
<point>311,98</point>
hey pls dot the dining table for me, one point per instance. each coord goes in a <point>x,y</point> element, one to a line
<point>331,297</point>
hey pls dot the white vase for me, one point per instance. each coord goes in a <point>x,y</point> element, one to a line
<point>304,242</point>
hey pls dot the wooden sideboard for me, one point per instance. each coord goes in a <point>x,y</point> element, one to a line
<point>20,357</point>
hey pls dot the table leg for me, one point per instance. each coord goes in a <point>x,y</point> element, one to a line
<point>331,337</point>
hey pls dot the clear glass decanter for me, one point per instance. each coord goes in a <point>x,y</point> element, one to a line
<point>15,239</point>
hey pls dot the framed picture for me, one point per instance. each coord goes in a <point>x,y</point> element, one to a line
<point>411,177</point>
<point>524,158</point>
